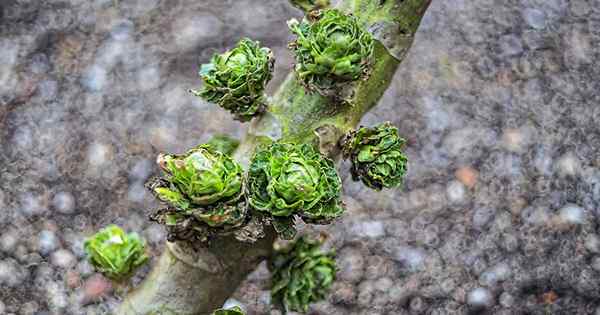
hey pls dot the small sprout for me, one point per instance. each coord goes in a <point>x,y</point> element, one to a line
<point>302,274</point>
<point>287,179</point>
<point>310,5</point>
<point>204,190</point>
<point>376,155</point>
<point>115,254</point>
<point>236,79</point>
<point>236,310</point>
<point>223,143</point>
<point>331,50</point>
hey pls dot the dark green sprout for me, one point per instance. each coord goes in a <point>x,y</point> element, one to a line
<point>236,310</point>
<point>310,5</point>
<point>236,79</point>
<point>287,179</point>
<point>204,190</point>
<point>115,254</point>
<point>302,274</point>
<point>376,155</point>
<point>331,49</point>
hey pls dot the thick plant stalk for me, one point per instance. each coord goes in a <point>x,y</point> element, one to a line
<point>186,281</point>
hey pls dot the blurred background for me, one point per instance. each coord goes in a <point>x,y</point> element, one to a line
<point>499,101</point>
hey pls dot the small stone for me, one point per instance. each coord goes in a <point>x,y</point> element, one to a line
<point>64,202</point>
<point>8,241</point>
<point>480,298</point>
<point>592,243</point>
<point>48,242</point>
<point>535,18</point>
<point>455,192</point>
<point>63,258</point>
<point>73,279</point>
<point>572,214</point>
<point>95,287</point>
<point>568,165</point>
<point>467,176</point>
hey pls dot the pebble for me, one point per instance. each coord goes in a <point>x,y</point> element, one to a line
<point>480,298</point>
<point>48,242</point>
<point>63,258</point>
<point>64,202</point>
<point>95,287</point>
<point>467,176</point>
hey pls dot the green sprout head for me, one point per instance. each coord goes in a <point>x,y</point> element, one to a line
<point>236,79</point>
<point>376,155</point>
<point>302,274</point>
<point>203,183</point>
<point>236,310</point>
<point>331,49</point>
<point>288,179</point>
<point>114,253</point>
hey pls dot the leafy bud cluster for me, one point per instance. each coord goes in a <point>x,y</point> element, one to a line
<point>302,274</point>
<point>287,179</point>
<point>236,79</point>
<point>331,50</point>
<point>204,191</point>
<point>115,254</point>
<point>376,155</point>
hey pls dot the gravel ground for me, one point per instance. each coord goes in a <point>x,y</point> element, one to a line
<point>498,101</point>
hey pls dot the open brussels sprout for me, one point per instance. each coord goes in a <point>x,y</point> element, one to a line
<point>331,49</point>
<point>236,79</point>
<point>286,179</point>
<point>302,274</point>
<point>376,155</point>
<point>115,254</point>
<point>203,188</point>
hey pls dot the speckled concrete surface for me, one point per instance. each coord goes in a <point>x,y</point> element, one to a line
<point>498,99</point>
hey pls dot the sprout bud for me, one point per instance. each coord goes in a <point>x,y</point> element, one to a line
<point>115,254</point>
<point>236,79</point>
<point>331,50</point>
<point>302,274</point>
<point>287,179</point>
<point>376,155</point>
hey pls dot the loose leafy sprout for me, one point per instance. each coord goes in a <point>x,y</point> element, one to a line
<point>236,79</point>
<point>376,155</point>
<point>287,179</point>
<point>115,254</point>
<point>331,50</point>
<point>204,191</point>
<point>302,274</point>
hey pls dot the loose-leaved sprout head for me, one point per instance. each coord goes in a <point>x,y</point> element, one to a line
<point>376,155</point>
<point>302,274</point>
<point>115,254</point>
<point>286,179</point>
<point>331,49</point>
<point>204,190</point>
<point>236,79</point>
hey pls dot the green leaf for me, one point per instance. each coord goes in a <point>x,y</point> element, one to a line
<point>114,253</point>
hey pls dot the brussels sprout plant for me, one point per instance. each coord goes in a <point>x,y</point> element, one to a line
<point>224,203</point>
